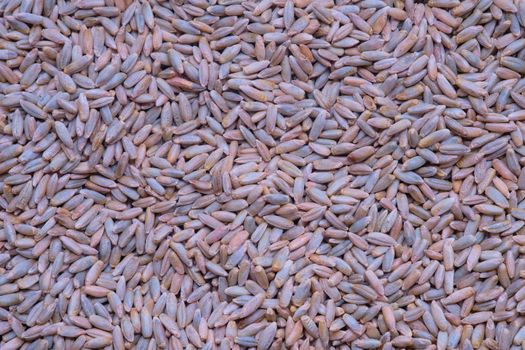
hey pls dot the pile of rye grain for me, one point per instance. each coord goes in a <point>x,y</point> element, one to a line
<point>275,174</point>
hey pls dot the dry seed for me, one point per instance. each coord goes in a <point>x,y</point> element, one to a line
<point>270,174</point>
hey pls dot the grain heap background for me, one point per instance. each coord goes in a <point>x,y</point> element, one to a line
<point>271,174</point>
